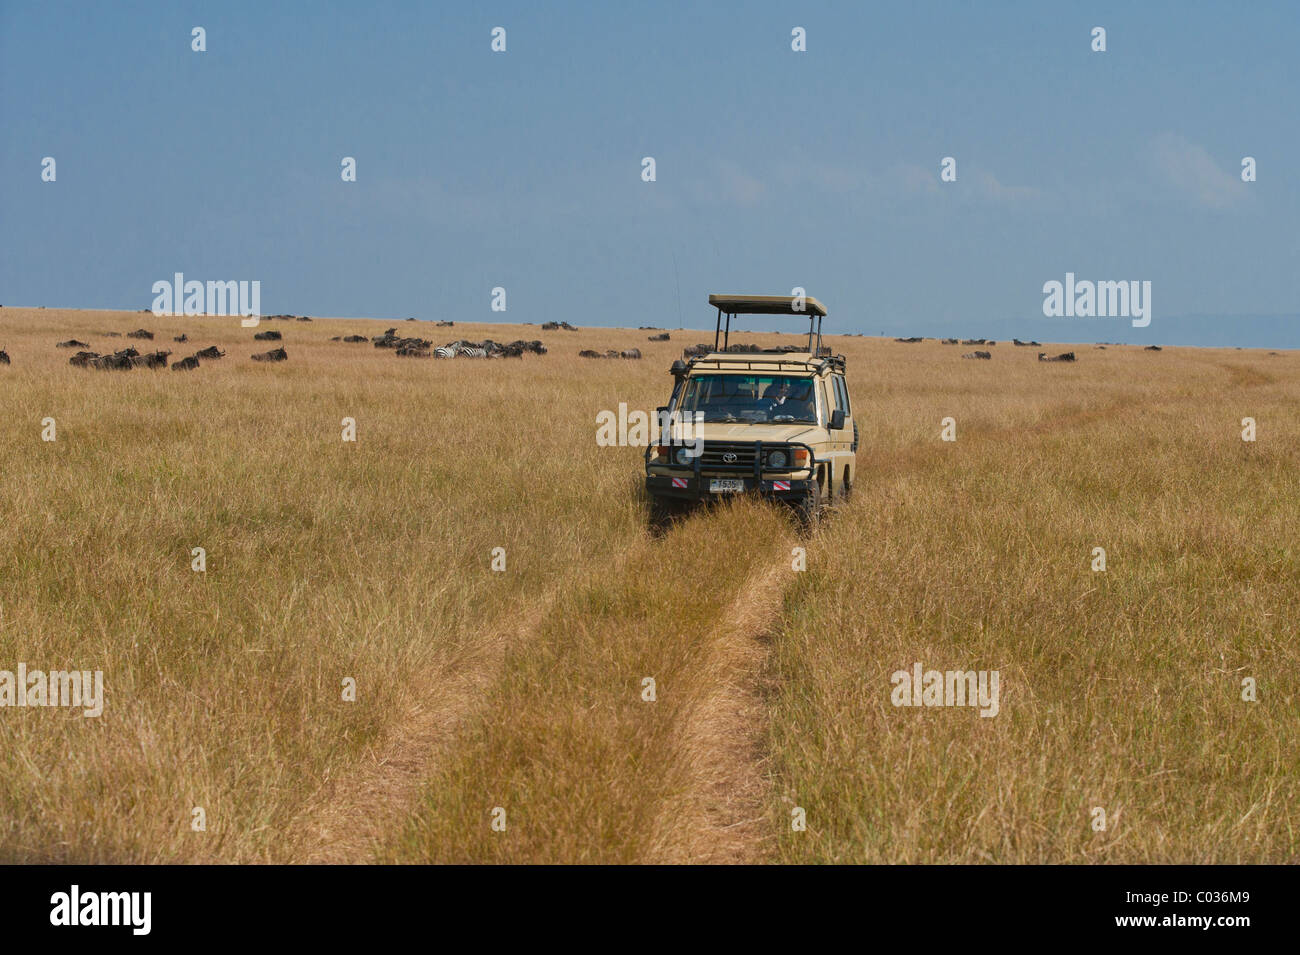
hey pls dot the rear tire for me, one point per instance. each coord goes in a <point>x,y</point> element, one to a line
<point>846,486</point>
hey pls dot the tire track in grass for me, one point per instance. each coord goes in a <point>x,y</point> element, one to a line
<point>720,816</point>
<point>350,820</point>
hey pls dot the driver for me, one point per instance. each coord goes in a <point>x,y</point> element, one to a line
<point>800,402</point>
<point>775,395</point>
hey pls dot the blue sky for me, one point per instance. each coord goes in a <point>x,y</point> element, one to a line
<point>774,168</point>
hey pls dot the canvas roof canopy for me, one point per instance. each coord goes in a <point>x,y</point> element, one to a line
<point>804,307</point>
<point>766,305</point>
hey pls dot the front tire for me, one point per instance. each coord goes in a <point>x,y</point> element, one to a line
<point>809,507</point>
<point>664,510</point>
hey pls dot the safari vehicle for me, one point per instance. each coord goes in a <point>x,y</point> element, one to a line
<point>777,423</point>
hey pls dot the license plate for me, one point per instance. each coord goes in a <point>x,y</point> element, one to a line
<point>726,485</point>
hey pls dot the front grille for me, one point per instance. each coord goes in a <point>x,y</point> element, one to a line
<point>716,454</point>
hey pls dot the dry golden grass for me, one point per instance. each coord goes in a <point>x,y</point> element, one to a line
<point>523,690</point>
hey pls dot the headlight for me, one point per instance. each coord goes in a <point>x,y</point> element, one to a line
<point>777,459</point>
<point>682,456</point>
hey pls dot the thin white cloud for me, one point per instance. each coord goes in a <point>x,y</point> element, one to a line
<point>1192,171</point>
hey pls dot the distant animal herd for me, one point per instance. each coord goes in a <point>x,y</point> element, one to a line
<point>983,355</point>
<point>414,347</point>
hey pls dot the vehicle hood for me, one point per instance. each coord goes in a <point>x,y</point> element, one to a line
<point>722,431</point>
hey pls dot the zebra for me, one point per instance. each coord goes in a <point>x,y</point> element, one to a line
<point>473,352</point>
<point>442,351</point>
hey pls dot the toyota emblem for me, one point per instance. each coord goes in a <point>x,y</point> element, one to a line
<point>730,457</point>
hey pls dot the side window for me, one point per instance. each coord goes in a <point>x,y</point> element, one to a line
<point>826,408</point>
<point>843,389</point>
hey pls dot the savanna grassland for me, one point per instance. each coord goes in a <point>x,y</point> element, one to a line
<point>523,690</point>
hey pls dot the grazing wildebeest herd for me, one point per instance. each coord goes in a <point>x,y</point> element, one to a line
<point>423,348</point>
<point>610,353</point>
<point>415,347</point>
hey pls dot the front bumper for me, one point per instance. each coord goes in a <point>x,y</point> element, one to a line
<point>687,487</point>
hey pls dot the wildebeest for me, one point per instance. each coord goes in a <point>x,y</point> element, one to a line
<point>186,364</point>
<point>588,353</point>
<point>630,353</point>
<point>156,359</point>
<point>4,357</point>
<point>974,341</point>
<point>1017,341</point>
<point>72,343</point>
<point>212,351</point>
<point>536,347</point>
<point>1152,348</point>
<point>1064,356</point>
<point>82,359</point>
<point>304,318</point>
<point>268,336</point>
<point>355,338</point>
<point>909,341</point>
<point>140,333</point>
<point>275,354</point>
<point>978,354</point>
<point>659,338</point>
<point>182,337</point>
<point>445,324</point>
<point>118,361</point>
<point>949,341</point>
<point>390,339</point>
<point>555,326</point>
<point>407,351</point>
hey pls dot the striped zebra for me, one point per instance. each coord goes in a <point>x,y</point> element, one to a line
<point>474,352</point>
<point>444,352</point>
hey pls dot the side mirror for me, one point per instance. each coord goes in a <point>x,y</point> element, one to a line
<point>837,420</point>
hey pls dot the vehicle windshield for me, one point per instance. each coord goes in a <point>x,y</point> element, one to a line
<point>751,399</point>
